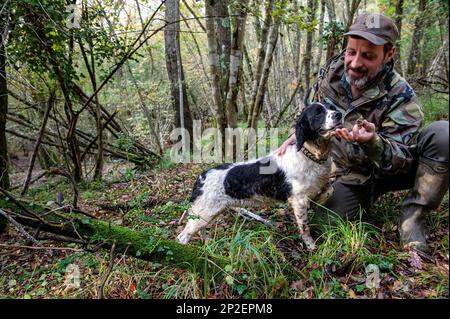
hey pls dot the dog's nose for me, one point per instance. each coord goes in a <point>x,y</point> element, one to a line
<point>337,115</point>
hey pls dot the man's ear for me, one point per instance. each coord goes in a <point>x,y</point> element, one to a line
<point>389,55</point>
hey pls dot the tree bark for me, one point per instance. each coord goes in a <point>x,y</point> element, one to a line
<point>414,53</point>
<point>398,22</point>
<point>307,59</point>
<point>332,40</point>
<point>271,44</point>
<point>4,176</point>
<point>236,63</point>
<point>318,62</point>
<point>183,117</point>
<point>218,107</point>
<point>260,57</point>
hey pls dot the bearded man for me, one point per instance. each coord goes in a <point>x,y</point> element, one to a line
<point>381,147</point>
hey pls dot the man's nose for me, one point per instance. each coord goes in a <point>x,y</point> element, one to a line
<point>356,62</point>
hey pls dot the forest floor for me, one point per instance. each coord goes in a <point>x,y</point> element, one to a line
<point>359,259</point>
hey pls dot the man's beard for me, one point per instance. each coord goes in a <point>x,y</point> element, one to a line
<point>360,82</point>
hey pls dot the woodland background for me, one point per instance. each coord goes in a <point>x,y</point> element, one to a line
<point>90,91</point>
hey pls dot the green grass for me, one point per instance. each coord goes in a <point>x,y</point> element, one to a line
<point>435,107</point>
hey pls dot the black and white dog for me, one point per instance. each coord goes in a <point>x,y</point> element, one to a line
<point>297,176</point>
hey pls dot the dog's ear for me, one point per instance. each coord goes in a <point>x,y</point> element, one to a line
<point>300,128</point>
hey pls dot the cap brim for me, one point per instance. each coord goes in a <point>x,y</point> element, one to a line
<point>368,36</point>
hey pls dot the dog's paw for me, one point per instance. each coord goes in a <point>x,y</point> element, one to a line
<point>182,239</point>
<point>310,244</point>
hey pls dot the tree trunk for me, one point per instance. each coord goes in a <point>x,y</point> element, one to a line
<point>183,117</point>
<point>318,62</point>
<point>236,64</point>
<point>223,31</point>
<point>332,39</point>
<point>4,176</point>
<point>271,44</point>
<point>398,22</point>
<point>260,57</point>
<point>218,108</point>
<point>308,50</point>
<point>414,53</point>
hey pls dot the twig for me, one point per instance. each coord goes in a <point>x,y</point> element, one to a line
<point>248,214</point>
<point>19,227</point>
<point>41,247</point>
<point>112,256</point>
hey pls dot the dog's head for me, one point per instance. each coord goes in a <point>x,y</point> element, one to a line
<point>317,120</point>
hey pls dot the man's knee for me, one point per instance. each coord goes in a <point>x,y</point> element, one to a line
<point>346,201</point>
<point>433,142</point>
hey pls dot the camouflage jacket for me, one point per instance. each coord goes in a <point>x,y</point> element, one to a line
<point>390,103</point>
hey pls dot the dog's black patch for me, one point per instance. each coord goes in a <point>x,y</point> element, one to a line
<point>245,181</point>
<point>197,189</point>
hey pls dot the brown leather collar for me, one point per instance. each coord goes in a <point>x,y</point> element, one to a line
<point>313,158</point>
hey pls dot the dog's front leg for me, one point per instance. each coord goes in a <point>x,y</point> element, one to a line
<point>300,208</point>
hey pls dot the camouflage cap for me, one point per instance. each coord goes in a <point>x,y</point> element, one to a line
<point>377,28</point>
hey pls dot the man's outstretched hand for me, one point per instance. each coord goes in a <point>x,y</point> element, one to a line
<point>362,133</point>
<point>282,149</point>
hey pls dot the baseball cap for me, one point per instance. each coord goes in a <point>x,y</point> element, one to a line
<point>377,28</point>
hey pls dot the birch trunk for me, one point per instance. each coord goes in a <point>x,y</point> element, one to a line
<point>260,57</point>
<point>236,64</point>
<point>318,62</point>
<point>183,118</point>
<point>271,43</point>
<point>308,48</point>
<point>214,66</point>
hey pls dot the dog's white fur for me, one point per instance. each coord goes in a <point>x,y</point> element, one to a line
<point>306,177</point>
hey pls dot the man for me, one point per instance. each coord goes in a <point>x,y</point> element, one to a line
<point>381,147</point>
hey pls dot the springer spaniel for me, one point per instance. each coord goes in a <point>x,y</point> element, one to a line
<point>297,176</point>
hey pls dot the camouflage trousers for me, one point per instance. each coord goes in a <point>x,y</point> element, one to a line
<point>432,149</point>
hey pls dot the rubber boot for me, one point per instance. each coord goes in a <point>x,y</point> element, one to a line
<point>430,186</point>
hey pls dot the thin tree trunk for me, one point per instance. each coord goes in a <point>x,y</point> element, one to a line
<point>414,53</point>
<point>38,142</point>
<point>236,64</point>
<point>271,44</point>
<point>307,59</point>
<point>398,22</point>
<point>332,39</point>
<point>183,117</point>
<point>4,176</point>
<point>223,31</point>
<point>318,62</point>
<point>260,57</point>
<point>214,65</point>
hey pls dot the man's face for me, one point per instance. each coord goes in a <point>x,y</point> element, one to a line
<point>364,60</point>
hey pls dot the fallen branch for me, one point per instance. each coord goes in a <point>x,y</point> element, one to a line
<point>19,227</point>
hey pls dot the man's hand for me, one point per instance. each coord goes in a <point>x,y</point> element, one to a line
<point>282,149</point>
<point>361,133</point>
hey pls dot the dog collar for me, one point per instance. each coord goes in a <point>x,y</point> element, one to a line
<point>313,158</point>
